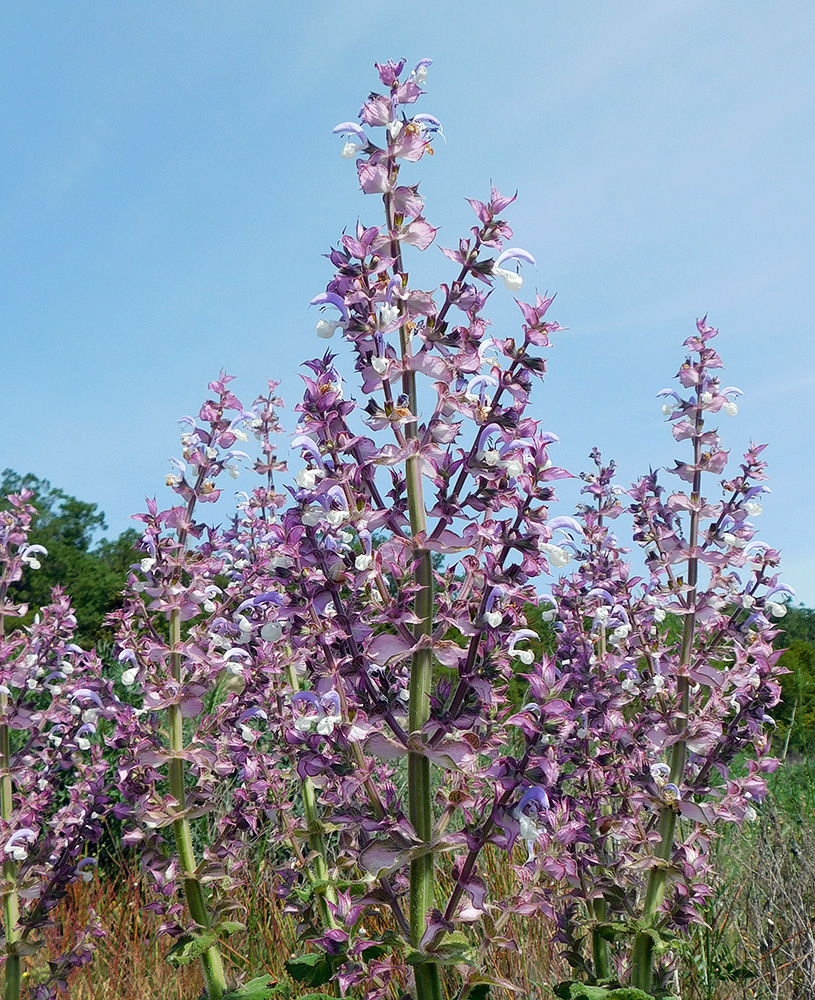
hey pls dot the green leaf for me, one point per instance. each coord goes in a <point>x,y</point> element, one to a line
<point>373,951</point>
<point>22,949</point>
<point>453,949</point>
<point>261,988</point>
<point>581,991</point>
<point>612,930</point>
<point>189,947</point>
<point>227,927</point>
<point>480,992</point>
<point>313,969</point>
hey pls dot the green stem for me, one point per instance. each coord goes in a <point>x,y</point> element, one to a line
<point>316,840</point>
<point>599,907</point>
<point>420,793</point>
<point>211,961</point>
<point>599,944</point>
<point>11,901</point>
<point>642,963</point>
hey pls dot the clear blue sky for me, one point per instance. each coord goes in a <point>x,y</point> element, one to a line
<point>169,181</point>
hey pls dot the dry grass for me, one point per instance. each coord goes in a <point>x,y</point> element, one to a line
<point>129,963</point>
<point>760,944</point>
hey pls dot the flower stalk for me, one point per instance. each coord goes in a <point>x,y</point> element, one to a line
<point>211,961</point>
<point>316,840</point>
<point>644,942</point>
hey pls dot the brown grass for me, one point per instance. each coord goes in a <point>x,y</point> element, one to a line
<point>761,922</point>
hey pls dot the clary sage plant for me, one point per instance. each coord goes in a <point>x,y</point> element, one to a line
<point>374,671</point>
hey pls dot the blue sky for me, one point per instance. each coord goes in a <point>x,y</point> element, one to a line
<point>169,182</point>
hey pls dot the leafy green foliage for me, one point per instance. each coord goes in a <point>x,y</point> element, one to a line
<point>265,988</point>
<point>796,714</point>
<point>93,574</point>
<point>580,991</point>
<point>189,947</point>
<point>314,969</point>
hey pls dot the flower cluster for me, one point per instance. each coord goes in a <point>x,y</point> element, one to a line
<point>669,678</point>
<point>53,776</point>
<point>338,671</point>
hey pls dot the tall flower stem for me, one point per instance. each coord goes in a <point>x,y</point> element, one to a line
<point>643,954</point>
<point>420,793</point>
<point>11,902</point>
<point>316,840</point>
<point>211,961</point>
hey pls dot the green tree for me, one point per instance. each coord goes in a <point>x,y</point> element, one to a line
<point>92,574</point>
<point>798,687</point>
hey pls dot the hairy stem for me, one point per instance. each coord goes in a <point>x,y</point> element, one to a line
<point>316,840</point>
<point>420,793</point>
<point>211,961</point>
<point>11,902</point>
<point>643,954</point>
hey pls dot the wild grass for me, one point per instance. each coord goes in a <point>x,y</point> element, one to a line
<point>758,943</point>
